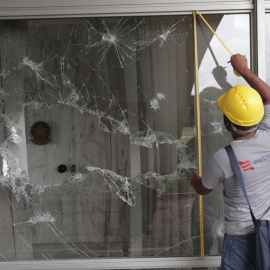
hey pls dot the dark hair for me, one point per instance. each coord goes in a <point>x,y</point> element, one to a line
<point>243,128</point>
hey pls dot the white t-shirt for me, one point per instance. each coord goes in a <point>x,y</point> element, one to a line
<point>253,156</point>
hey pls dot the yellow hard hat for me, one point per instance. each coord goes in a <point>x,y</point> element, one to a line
<point>242,105</point>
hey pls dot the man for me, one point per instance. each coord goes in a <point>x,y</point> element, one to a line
<point>247,117</point>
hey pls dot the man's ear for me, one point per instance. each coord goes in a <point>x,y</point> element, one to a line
<point>228,123</point>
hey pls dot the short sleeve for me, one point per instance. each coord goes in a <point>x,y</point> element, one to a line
<point>265,123</point>
<point>213,174</point>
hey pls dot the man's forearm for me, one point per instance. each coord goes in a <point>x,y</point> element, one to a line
<point>259,85</point>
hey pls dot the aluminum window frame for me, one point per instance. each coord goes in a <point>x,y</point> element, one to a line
<point>259,37</point>
<point>21,9</point>
<point>34,9</point>
<point>130,263</point>
<point>267,11</point>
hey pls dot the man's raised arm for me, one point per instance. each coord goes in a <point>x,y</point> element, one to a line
<point>239,63</point>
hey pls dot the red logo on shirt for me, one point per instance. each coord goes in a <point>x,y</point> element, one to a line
<point>246,165</point>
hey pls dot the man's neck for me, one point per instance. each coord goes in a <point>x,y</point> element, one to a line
<point>237,137</point>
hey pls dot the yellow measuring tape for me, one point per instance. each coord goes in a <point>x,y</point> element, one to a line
<point>199,130</point>
<point>235,72</point>
<point>213,31</point>
<point>199,116</point>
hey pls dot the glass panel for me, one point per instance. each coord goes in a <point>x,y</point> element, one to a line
<point>216,77</point>
<point>98,139</point>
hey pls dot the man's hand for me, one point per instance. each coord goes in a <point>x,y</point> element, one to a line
<point>194,178</point>
<point>196,183</point>
<point>239,63</point>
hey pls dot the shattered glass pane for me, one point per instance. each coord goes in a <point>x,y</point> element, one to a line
<point>99,138</point>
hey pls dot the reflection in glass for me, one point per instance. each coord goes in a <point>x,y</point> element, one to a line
<point>98,136</point>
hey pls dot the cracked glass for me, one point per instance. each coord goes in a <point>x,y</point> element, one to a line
<point>99,139</point>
